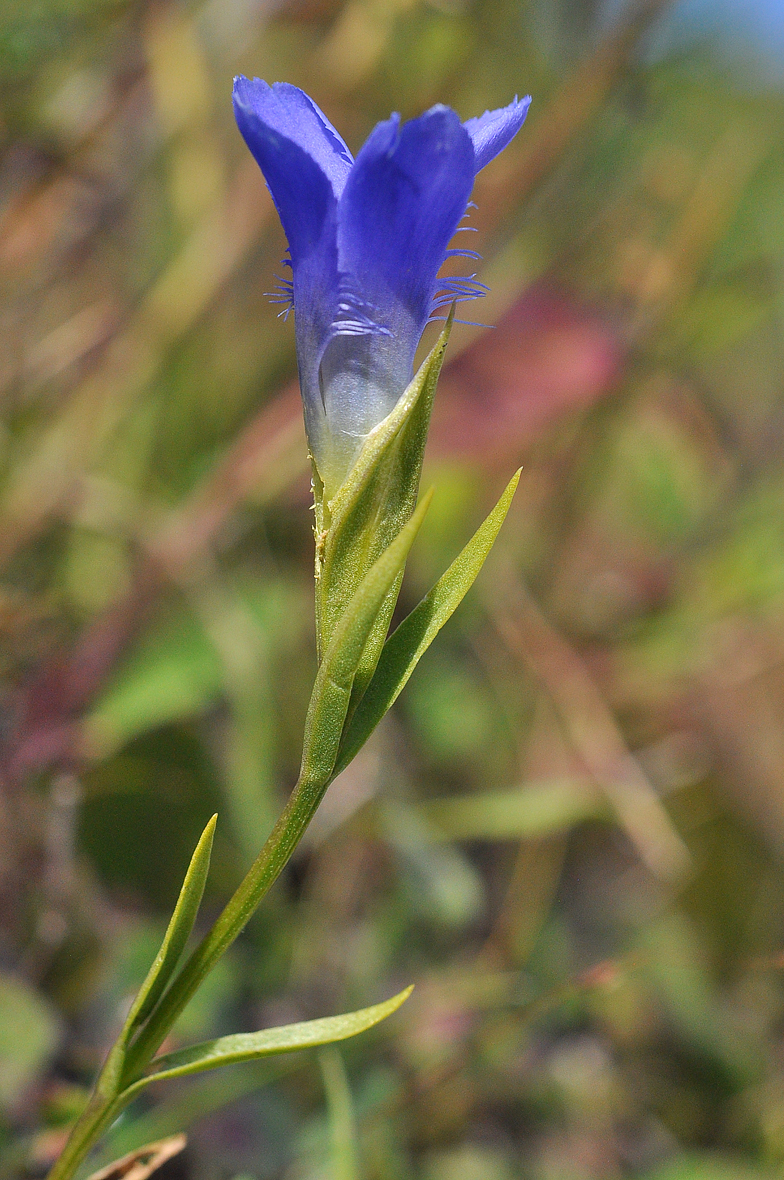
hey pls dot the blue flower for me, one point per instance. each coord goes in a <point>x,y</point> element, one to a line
<point>366,240</point>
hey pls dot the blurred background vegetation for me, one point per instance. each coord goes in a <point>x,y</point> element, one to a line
<point>570,832</point>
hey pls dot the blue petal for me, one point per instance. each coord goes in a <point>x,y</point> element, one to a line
<point>289,111</point>
<point>401,205</point>
<point>492,131</point>
<point>301,191</point>
<point>302,161</point>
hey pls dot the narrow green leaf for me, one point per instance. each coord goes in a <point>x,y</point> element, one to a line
<point>177,933</point>
<point>345,1165</point>
<point>406,646</point>
<point>371,507</point>
<point>250,1046</point>
<point>332,689</point>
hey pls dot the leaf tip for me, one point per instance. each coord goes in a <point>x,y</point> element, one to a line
<point>424,503</point>
<point>206,838</point>
<point>399,1000</point>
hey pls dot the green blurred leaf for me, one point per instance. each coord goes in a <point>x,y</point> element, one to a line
<point>239,1047</point>
<point>144,812</point>
<point>718,317</point>
<point>706,1168</point>
<point>675,966</point>
<point>443,882</point>
<point>406,646</point>
<point>174,673</point>
<point>177,670</point>
<point>451,709</point>
<point>29,1032</point>
<point>470,1161</point>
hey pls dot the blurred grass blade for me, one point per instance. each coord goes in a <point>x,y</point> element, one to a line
<point>448,888</point>
<point>238,1047</point>
<point>332,689</point>
<point>343,1130</point>
<point>406,646</point>
<point>177,934</point>
<point>535,810</point>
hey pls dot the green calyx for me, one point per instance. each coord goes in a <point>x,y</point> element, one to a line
<point>371,507</point>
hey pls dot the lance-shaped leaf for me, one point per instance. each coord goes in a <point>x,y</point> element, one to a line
<point>340,1112</point>
<point>165,962</point>
<point>371,507</point>
<point>332,689</point>
<point>408,643</point>
<point>178,930</point>
<point>238,1047</point>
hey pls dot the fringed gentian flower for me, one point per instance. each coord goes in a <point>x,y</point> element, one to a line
<point>366,239</point>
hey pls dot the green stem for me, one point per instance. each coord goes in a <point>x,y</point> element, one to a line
<point>99,1113</point>
<point>323,728</point>
<point>101,1110</point>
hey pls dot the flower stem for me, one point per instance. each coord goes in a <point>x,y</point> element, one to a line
<point>99,1113</point>
<point>102,1109</point>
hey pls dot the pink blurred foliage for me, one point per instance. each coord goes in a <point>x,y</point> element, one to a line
<point>548,356</point>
